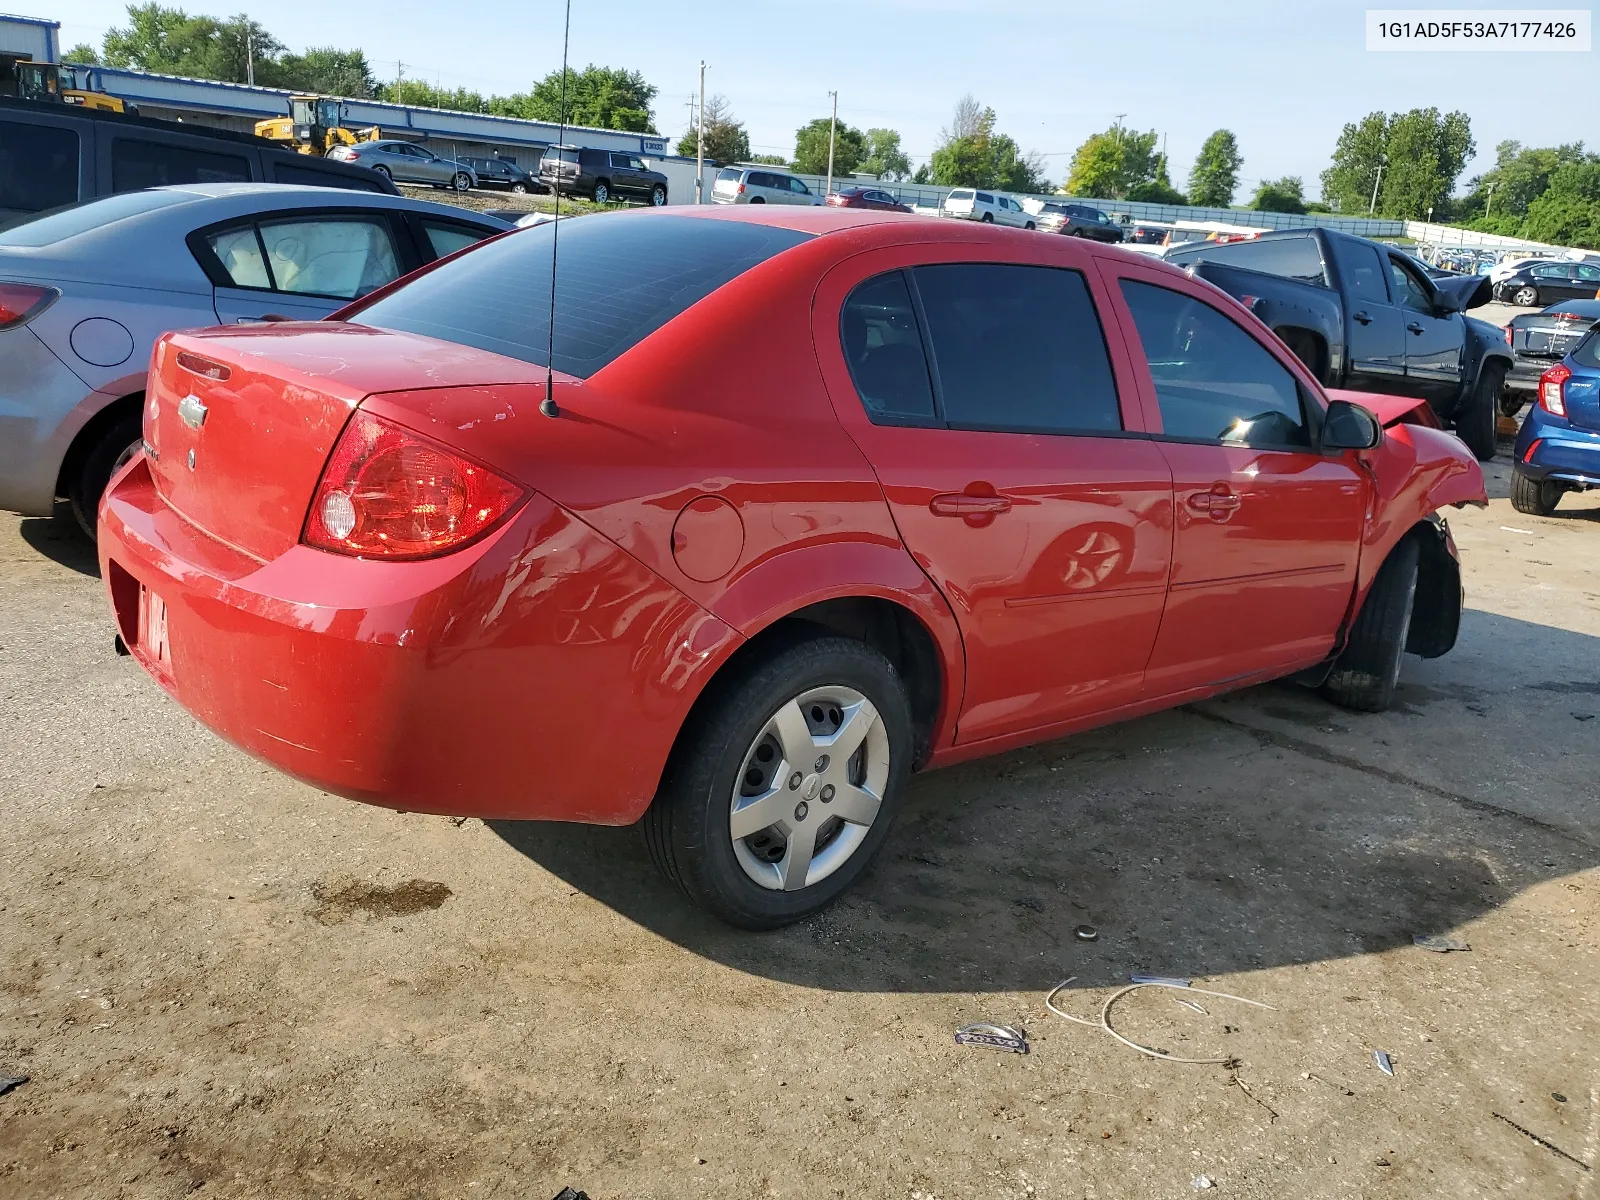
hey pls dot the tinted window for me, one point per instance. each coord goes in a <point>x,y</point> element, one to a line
<point>985,198</point>
<point>1587,273</point>
<point>1289,258</point>
<point>344,257</point>
<point>49,228</point>
<point>446,237</point>
<point>878,328</point>
<point>731,174</point>
<point>619,160</point>
<point>799,186</point>
<point>1409,288</point>
<point>960,194</point>
<point>1361,268</point>
<point>620,279</point>
<point>311,177</point>
<point>38,168</point>
<point>239,252</point>
<point>138,164</point>
<point>1214,382</point>
<point>1550,272</point>
<point>1017,348</point>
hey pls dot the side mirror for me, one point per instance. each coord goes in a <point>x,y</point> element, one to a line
<point>1350,427</point>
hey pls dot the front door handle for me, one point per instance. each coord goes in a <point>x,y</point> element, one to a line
<point>1361,317</point>
<point>1219,503</point>
<point>1415,328</point>
<point>964,504</point>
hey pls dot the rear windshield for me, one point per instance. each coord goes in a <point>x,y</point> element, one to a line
<point>960,194</point>
<point>59,224</point>
<point>619,279</point>
<point>733,174</point>
<point>1288,258</point>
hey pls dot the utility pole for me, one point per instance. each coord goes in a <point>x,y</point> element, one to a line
<point>1488,202</point>
<point>1373,207</point>
<point>249,56</point>
<point>833,124</point>
<point>700,140</point>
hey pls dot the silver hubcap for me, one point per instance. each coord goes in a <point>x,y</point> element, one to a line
<point>809,789</point>
<point>125,457</point>
<point>600,195</point>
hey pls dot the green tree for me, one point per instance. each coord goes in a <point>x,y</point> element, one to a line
<point>82,54</point>
<point>1108,165</point>
<point>419,93</point>
<point>726,139</point>
<point>771,160</point>
<point>1286,195</point>
<point>1568,211</point>
<point>326,71</point>
<point>884,157</point>
<point>1347,184</point>
<point>599,97</point>
<point>811,148</point>
<point>974,155</point>
<point>1215,175</point>
<point>1426,151</point>
<point>1519,176</point>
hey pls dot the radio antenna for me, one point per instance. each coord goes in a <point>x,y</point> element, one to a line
<point>548,405</point>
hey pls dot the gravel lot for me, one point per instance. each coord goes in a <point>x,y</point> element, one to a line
<point>225,982</point>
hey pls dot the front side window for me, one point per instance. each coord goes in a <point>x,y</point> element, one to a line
<point>1587,274</point>
<point>343,257</point>
<point>1409,288</point>
<point>1214,382</point>
<point>38,168</point>
<point>137,164</point>
<point>798,186</point>
<point>1018,349</point>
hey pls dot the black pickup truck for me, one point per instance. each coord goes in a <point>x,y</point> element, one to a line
<point>1366,317</point>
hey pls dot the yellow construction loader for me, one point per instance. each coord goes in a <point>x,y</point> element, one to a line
<point>315,125</point>
<point>29,80</point>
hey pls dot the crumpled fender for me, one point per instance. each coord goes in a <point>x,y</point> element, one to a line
<point>1416,471</point>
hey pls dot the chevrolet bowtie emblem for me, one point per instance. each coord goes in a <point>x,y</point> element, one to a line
<point>192,411</point>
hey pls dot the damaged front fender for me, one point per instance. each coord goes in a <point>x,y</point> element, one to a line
<point>1416,471</point>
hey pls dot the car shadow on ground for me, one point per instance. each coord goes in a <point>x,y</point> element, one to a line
<point>1251,831</point>
<point>59,539</point>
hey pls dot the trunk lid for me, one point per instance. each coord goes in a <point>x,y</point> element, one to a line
<point>239,423</point>
<point>1549,338</point>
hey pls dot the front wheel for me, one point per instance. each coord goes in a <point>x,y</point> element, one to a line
<point>1535,497</point>
<point>1368,669</point>
<point>782,787</point>
<point>601,193</point>
<point>658,195</point>
<point>104,459</point>
<point>461,181</point>
<point>1526,297</point>
<point>1475,423</point>
<point>520,189</point>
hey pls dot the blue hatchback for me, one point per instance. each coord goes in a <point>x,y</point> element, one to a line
<point>1558,447</point>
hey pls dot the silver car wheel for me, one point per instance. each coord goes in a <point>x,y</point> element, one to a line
<point>1525,297</point>
<point>809,789</point>
<point>601,194</point>
<point>461,182</point>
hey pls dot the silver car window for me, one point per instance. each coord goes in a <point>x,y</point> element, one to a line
<point>447,239</point>
<point>239,252</point>
<point>341,257</point>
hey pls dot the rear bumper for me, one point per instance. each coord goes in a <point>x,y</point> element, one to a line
<point>39,416</point>
<point>540,673</point>
<point>1525,372</point>
<point>1549,447</point>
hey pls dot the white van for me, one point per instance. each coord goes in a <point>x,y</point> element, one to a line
<point>760,185</point>
<point>989,207</point>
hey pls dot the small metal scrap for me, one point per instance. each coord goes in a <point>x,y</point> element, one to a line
<point>1086,933</point>
<point>1163,980</point>
<point>1202,1183</point>
<point>1438,942</point>
<point>10,1082</point>
<point>1193,1005</point>
<point>1385,1063</point>
<point>567,1193</point>
<point>995,1037</point>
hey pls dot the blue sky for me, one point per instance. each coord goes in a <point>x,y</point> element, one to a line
<point>1283,76</point>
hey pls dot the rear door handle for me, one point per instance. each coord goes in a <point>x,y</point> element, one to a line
<point>1414,327</point>
<point>1361,317</point>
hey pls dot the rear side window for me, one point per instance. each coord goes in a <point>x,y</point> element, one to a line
<point>311,177</point>
<point>38,168</point>
<point>336,256</point>
<point>1018,349</point>
<point>446,237</point>
<point>1361,267</point>
<point>882,344</point>
<point>985,198</point>
<point>619,280</point>
<point>139,164</point>
<point>1214,382</point>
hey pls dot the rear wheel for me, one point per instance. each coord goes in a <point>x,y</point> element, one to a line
<point>384,171</point>
<point>1475,422</point>
<point>1526,297</point>
<point>1536,497</point>
<point>1365,675</point>
<point>757,200</point>
<point>782,788</point>
<point>117,444</point>
<point>658,195</point>
<point>988,218</point>
<point>601,193</point>
<point>1030,225</point>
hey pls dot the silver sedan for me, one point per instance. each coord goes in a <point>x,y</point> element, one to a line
<point>407,162</point>
<point>86,290</point>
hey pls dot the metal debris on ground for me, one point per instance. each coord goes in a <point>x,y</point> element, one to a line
<point>1554,1149</point>
<point>567,1193</point>
<point>995,1037</point>
<point>1558,1097</point>
<point>1385,1063</point>
<point>1438,942</point>
<point>1143,981</point>
<point>1338,1087</point>
<point>1509,529</point>
<point>1086,933</point>
<point>10,1082</point>
<point>1202,1183</point>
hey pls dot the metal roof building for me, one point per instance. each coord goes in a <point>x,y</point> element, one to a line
<point>40,40</point>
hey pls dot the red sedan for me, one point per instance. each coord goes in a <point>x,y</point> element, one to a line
<point>873,199</point>
<point>787,504</point>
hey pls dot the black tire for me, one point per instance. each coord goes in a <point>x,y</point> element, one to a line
<point>602,192</point>
<point>1365,675</point>
<point>988,218</point>
<point>757,200</point>
<point>1030,225</point>
<point>1536,497</point>
<point>384,171</point>
<point>687,828</point>
<point>1510,402</point>
<point>658,195</point>
<point>116,443</point>
<point>1475,422</point>
<point>1526,297</point>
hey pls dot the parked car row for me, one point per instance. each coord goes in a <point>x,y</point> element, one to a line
<point>1544,281</point>
<point>407,162</point>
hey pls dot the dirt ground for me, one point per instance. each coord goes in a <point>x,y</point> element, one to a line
<point>226,983</point>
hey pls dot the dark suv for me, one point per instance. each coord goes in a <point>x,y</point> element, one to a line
<point>55,154</point>
<point>602,175</point>
<point>1078,220</point>
<point>503,173</point>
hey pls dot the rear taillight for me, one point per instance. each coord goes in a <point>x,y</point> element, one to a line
<point>1508,335</point>
<point>22,302</point>
<point>741,189</point>
<point>1551,385</point>
<point>390,493</point>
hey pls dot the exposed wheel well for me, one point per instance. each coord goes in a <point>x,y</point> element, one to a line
<point>891,629</point>
<point>1436,608</point>
<point>1309,346</point>
<point>91,433</point>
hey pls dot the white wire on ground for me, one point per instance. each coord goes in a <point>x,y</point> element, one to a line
<point>1105,1016</point>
